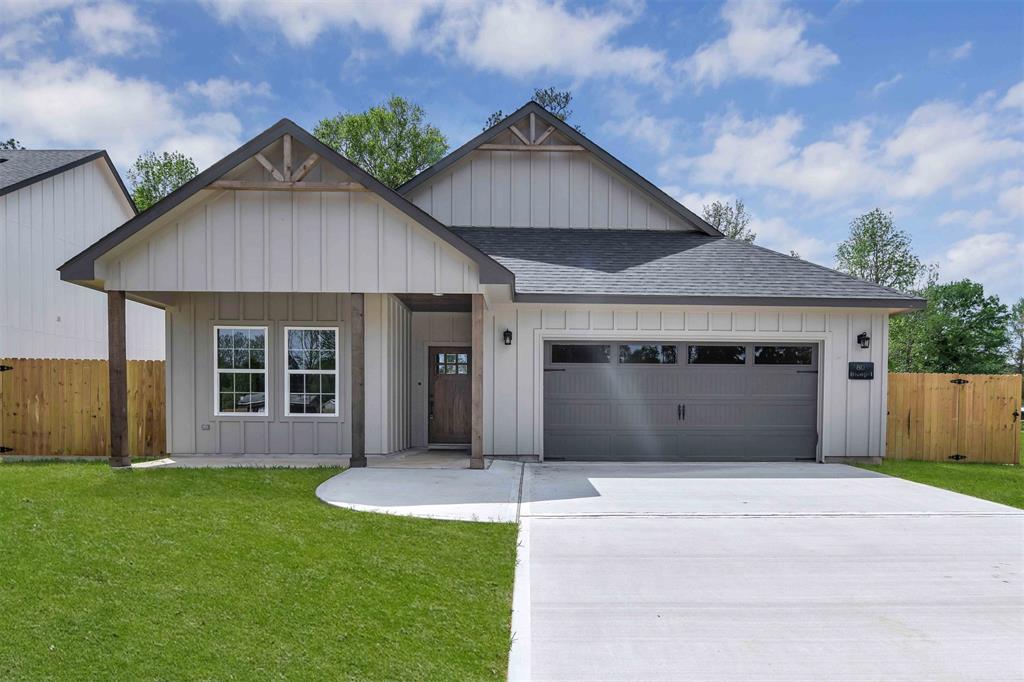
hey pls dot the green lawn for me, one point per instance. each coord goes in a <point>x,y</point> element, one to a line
<point>239,574</point>
<point>997,482</point>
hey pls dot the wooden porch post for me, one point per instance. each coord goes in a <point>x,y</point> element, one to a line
<point>358,370</point>
<point>476,451</point>
<point>117,368</point>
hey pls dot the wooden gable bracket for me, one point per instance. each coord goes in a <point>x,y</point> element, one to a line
<point>288,179</point>
<point>533,143</point>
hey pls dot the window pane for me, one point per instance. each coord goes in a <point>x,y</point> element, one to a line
<point>241,359</point>
<point>257,359</point>
<point>242,384</point>
<point>463,358</point>
<point>451,357</point>
<point>296,403</point>
<point>783,355</point>
<point>295,340</point>
<point>327,383</point>
<point>327,359</point>
<point>717,355</point>
<point>329,405</point>
<point>251,402</point>
<point>258,382</point>
<point>440,369</point>
<point>257,339</point>
<point>450,369</point>
<point>227,402</point>
<point>647,354</point>
<point>227,382</point>
<point>312,383</point>
<point>579,353</point>
<point>224,337</point>
<point>463,369</point>
<point>295,383</point>
<point>440,357</point>
<point>324,339</point>
<point>225,358</point>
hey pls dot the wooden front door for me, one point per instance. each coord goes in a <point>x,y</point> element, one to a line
<point>449,395</point>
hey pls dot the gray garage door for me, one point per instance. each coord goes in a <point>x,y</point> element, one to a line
<point>680,401</point>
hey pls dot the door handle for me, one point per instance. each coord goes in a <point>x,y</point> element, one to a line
<point>681,412</point>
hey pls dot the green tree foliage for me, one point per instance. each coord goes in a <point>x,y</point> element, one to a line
<point>878,252</point>
<point>10,144</point>
<point>730,219</point>
<point>153,176</point>
<point>391,141</point>
<point>1016,334</point>
<point>961,330</point>
<point>554,100</point>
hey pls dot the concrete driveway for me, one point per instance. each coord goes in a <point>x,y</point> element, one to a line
<point>762,572</point>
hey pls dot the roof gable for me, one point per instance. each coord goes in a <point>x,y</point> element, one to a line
<point>543,129</point>
<point>23,167</point>
<point>82,266</point>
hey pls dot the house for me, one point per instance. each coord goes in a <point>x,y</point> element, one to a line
<point>528,296</point>
<point>54,203</point>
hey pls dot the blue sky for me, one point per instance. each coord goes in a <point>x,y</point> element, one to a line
<point>811,113</point>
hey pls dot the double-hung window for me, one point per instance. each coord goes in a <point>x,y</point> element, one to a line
<point>311,370</point>
<point>241,376</point>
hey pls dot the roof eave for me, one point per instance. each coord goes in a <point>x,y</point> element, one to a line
<point>896,305</point>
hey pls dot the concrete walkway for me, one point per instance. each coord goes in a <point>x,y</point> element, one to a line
<point>796,571</point>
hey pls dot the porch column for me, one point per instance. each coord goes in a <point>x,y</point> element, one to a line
<point>476,448</point>
<point>358,373</point>
<point>117,368</point>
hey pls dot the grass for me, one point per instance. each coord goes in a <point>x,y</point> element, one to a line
<point>996,482</point>
<point>239,574</point>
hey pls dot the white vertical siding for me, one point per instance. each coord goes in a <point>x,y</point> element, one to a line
<point>534,189</point>
<point>854,410</point>
<point>192,426</point>
<point>388,338</point>
<point>290,241</point>
<point>43,225</point>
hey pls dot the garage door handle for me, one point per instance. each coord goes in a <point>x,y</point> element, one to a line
<point>681,412</point>
<point>547,369</point>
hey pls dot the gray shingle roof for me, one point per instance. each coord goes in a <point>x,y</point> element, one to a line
<point>684,267</point>
<point>21,165</point>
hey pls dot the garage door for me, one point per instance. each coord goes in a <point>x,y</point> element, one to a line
<point>680,401</point>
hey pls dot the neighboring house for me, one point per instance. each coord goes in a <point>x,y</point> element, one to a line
<point>54,203</point>
<point>529,295</point>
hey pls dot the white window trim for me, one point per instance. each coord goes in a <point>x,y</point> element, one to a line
<point>288,374</point>
<point>265,372</point>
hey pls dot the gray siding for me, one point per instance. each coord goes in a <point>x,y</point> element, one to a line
<point>288,241</point>
<point>388,374</point>
<point>539,189</point>
<point>191,424</point>
<point>41,226</point>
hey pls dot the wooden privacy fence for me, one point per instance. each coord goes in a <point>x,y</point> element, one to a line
<point>974,417</point>
<point>60,407</point>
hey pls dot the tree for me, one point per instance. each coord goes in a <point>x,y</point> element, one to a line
<point>907,332</point>
<point>961,331</point>
<point>10,144</point>
<point>878,252</point>
<point>1016,334</point>
<point>391,141</point>
<point>730,219</point>
<point>153,176</point>
<point>554,100</point>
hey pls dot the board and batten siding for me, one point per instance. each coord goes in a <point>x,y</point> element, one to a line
<point>43,225</point>
<point>193,427</point>
<point>290,241</point>
<point>539,189</point>
<point>853,411</point>
<point>431,329</point>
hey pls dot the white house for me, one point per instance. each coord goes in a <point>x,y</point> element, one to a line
<point>53,204</point>
<point>527,296</point>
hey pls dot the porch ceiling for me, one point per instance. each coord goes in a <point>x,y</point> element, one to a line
<point>429,303</point>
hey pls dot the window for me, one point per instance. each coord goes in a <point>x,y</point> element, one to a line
<point>241,359</point>
<point>717,355</point>
<point>580,353</point>
<point>783,355</point>
<point>647,354</point>
<point>311,370</point>
<point>453,363</point>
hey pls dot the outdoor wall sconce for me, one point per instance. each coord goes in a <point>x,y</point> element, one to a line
<point>507,335</point>
<point>863,340</point>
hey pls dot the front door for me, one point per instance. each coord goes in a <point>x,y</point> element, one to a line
<point>448,406</point>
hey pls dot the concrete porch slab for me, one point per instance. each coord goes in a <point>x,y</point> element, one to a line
<point>413,458</point>
<point>491,494</point>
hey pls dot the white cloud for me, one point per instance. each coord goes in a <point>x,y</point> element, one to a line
<point>765,40</point>
<point>1014,98</point>
<point>302,21</point>
<point>71,104</point>
<point>1012,201</point>
<point>523,37</point>
<point>882,86</point>
<point>22,37</point>
<point>222,92</point>
<point>953,54</point>
<point>113,28</point>
<point>777,235</point>
<point>993,258</point>
<point>974,220</point>
<point>939,146</point>
<point>12,11</point>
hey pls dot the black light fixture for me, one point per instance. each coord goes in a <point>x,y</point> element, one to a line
<point>863,340</point>
<point>507,335</point>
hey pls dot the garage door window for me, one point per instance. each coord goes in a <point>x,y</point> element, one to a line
<point>577,353</point>
<point>717,355</point>
<point>783,355</point>
<point>647,354</point>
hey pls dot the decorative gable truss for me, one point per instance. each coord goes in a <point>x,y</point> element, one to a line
<point>531,141</point>
<point>288,177</point>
